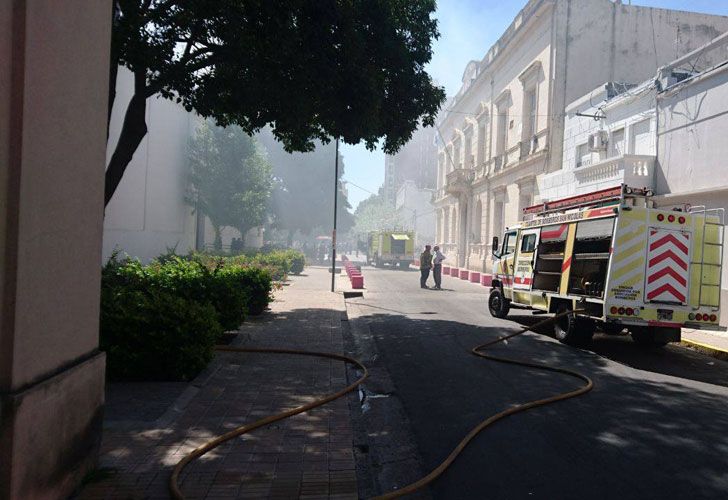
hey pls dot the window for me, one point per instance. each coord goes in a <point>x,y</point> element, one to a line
<point>583,156</point>
<point>528,243</point>
<point>468,153</point>
<point>616,145</point>
<point>446,226</point>
<point>457,158</point>
<point>641,143</point>
<point>498,217</point>
<point>502,138</point>
<point>509,243</point>
<point>478,221</point>
<point>482,142</point>
<point>453,226</point>
<point>529,114</point>
<point>525,200</point>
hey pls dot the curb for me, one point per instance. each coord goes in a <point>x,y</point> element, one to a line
<point>714,352</point>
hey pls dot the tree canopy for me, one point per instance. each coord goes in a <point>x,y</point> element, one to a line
<point>312,70</point>
<point>375,214</point>
<point>303,195</point>
<point>230,178</point>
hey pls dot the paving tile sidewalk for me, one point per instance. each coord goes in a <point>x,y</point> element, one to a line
<point>306,456</point>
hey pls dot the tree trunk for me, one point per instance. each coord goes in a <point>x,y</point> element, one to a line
<point>132,132</point>
<point>217,243</point>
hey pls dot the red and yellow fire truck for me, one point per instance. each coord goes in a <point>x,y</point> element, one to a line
<point>617,258</point>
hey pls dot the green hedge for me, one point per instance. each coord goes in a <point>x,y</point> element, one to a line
<point>176,309</point>
<point>279,263</point>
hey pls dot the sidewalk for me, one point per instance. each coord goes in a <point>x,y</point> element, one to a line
<point>714,343</point>
<point>149,427</point>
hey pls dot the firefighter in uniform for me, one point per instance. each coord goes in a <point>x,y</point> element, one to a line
<point>425,266</point>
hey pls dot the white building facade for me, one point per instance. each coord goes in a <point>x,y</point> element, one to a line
<point>609,139</point>
<point>692,151</point>
<point>504,130</point>
<point>148,214</point>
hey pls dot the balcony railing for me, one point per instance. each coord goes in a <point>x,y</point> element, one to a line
<point>633,170</point>
<point>459,180</point>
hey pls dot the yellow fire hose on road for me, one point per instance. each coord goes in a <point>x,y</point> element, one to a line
<point>411,488</point>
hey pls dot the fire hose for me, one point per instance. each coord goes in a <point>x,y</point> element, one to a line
<point>176,492</point>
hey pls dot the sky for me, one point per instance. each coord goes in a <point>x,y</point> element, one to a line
<point>468,28</point>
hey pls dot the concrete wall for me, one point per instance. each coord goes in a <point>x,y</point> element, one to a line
<point>609,42</point>
<point>692,149</point>
<point>53,101</point>
<point>148,214</point>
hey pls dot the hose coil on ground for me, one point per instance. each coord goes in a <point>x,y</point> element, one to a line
<point>176,492</point>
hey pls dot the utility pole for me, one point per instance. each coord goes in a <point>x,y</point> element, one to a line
<point>333,234</point>
<point>414,225</point>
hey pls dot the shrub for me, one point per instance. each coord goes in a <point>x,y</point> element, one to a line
<point>150,332</point>
<point>213,284</point>
<point>161,321</point>
<point>259,283</point>
<point>298,261</point>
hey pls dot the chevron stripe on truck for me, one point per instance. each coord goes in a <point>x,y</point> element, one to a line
<point>650,270</point>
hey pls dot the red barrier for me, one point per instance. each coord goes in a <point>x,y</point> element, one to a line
<point>464,274</point>
<point>446,270</point>
<point>474,277</point>
<point>357,282</point>
<point>486,279</point>
<point>454,272</point>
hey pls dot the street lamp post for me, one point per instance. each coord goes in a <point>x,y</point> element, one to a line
<point>333,233</point>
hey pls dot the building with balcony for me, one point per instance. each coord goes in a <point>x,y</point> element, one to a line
<point>507,126</point>
<point>609,139</point>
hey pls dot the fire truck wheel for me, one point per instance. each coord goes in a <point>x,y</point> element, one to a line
<point>645,337</point>
<point>498,305</point>
<point>571,329</point>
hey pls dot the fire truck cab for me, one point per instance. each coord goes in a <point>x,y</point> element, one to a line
<point>616,258</point>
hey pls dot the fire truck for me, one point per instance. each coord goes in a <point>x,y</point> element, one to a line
<point>395,248</point>
<point>618,261</point>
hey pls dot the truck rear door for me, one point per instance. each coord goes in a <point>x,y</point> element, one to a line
<point>668,264</point>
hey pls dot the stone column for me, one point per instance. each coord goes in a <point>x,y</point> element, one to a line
<point>54,67</point>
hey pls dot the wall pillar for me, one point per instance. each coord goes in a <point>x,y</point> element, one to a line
<point>54,69</point>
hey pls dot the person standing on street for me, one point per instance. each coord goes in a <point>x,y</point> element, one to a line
<point>437,267</point>
<point>425,266</point>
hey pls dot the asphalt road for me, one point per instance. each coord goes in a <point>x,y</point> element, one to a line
<point>655,425</point>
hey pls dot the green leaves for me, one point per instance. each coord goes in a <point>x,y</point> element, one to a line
<point>374,214</point>
<point>312,69</point>
<point>161,321</point>
<point>230,177</point>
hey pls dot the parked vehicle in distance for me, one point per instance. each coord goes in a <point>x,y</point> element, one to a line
<point>615,256</point>
<point>395,248</point>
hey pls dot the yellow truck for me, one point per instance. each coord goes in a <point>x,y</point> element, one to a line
<point>623,262</point>
<point>395,248</point>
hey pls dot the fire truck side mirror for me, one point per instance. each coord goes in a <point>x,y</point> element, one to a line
<point>494,247</point>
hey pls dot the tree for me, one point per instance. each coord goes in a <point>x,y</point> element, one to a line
<point>375,214</point>
<point>230,179</point>
<point>303,196</point>
<point>311,69</point>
